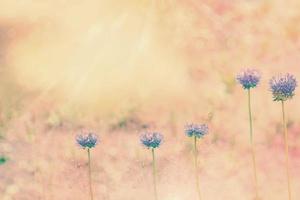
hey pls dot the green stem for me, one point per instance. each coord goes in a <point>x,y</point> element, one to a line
<point>252,145</point>
<point>154,174</point>
<point>286,150</point>
<point>90,174</point>
<point>196,168</point>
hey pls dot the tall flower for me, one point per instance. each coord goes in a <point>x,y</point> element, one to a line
<point>152,140</point>
<point>283,88</point>
<point>249,79</point>
<point>196,131</point>
<point>88,140</point>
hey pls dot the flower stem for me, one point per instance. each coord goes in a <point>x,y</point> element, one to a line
<point>154,174</point>
<point>196,168</point>
<point>286,150</point>
<point>90,174</point>
<point>252,145</point>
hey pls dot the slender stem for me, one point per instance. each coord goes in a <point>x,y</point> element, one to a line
<point>286,150</point>
<point>252,145</point>
<point>196,168</point>
<point>90,174</point>
<point>154,174</point>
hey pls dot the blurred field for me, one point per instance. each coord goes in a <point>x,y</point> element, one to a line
<point>120,67</point>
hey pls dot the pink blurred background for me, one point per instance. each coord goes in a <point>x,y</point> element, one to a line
<point>121,66</point>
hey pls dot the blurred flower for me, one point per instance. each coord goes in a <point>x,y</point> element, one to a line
<point>87,140</point>
<point>283,87</point>
<point>248,78</point>
<point>151,139</point>
<point>198,130</point>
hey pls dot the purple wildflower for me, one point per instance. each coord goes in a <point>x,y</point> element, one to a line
<point>151,139</point>
<point>248,78</point>
<point>283,87</point>
<point>198,130</point>
<point>87,140</point>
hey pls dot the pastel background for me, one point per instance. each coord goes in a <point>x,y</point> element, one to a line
<point>119,67</point>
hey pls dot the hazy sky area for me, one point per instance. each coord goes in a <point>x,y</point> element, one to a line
<point>107,52</point>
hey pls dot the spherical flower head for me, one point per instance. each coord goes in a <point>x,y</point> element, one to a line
<point>151,139</point>
<point>248,78</point>
<point>87,140</point>
<point>197,130</point>
<point>283,87</point>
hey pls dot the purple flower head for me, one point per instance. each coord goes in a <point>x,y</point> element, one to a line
<point>248,78</point>
<point>197,130</point>
<point>283,87</point>
<point>151,139</point>
<point>87,140</point>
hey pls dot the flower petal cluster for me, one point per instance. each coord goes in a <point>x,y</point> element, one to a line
<point>151,139</point>
<point>283,87</point>
<point>248,78</point>
<point>198,130</point>
<point>87,140</point>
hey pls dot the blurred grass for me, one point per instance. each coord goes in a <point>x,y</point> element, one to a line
<point>3,160</point>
